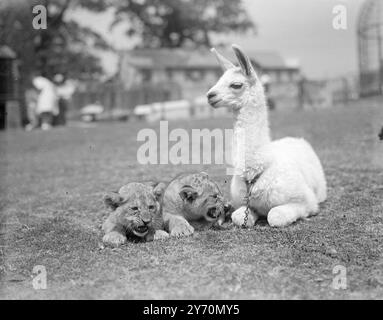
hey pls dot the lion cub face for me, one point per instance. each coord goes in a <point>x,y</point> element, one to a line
<point>202,198</point>
<point>136,205</point>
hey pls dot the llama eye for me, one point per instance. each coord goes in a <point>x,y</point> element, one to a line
<point>236,85</point>
<point>134,208</point>
<point>151,207</point>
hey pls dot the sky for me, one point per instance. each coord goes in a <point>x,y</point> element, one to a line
<point>299,30</point>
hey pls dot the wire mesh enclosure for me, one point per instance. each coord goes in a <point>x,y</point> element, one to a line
<point>370,42</point>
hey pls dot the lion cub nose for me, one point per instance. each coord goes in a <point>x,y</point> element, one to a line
<point>146,220</point>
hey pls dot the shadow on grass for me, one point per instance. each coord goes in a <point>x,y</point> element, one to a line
<point>55,242</point>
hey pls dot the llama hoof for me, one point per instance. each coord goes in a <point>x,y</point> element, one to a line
<point>238,218</point>
<point>278,218</point>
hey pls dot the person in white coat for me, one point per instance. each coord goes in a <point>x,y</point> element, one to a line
<point>47,102</point>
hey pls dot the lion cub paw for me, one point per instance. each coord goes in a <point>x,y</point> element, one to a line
<point>161,235</point>
<point>182,229</point>
<point>114,239</point>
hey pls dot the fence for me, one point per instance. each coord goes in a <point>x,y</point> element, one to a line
<point>316,94</point>
<point>371,83</point>
<point>313,94</point>
<point>303,94</point>
<point>113,97</point>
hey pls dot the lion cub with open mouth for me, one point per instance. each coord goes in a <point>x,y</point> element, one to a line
<point>193,201</point>
<point>146,210</point>
<point>136,213</point>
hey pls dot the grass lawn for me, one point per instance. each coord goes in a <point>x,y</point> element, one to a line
<point>51,210</point>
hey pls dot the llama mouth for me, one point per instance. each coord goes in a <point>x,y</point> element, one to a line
<point>214,103</point>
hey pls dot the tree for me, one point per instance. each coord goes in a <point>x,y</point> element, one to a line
<point>61,48</point>
<point>64,46</point>
<point>175,23</point>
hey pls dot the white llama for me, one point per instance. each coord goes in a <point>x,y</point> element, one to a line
<point>289,179</point>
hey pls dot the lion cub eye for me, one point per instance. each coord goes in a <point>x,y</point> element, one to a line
<point>236,85</point>
<point>134,208</point>
<point>152,207</point>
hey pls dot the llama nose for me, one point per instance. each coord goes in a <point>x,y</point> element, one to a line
<point>211,95</point>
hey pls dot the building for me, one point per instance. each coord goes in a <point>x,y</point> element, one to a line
<point>10,112</point>
<point>188,74</point>
<point>327,93</point>
<point>370,48</point>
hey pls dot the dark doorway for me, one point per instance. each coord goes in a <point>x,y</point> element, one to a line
<point>3,116</point>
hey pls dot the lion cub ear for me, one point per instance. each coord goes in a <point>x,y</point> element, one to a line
<point>113,200</point>
<point>188,193</point>
<point>159,189</point>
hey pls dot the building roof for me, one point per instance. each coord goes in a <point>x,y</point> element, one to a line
<point>268,59</point>
<point>170,58</point>
<point>201,58</point>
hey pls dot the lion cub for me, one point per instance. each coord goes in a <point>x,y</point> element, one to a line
<point>190,201</point>
<point>136,213</point>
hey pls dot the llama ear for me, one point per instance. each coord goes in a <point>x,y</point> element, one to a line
<point>244,61</point>
<point>223,62</point>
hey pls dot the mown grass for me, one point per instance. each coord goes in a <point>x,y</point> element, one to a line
<point>51,190</point>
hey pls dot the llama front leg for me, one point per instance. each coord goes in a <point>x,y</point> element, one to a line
<point>238,217</point>
<point>238,190</point>
<point>284,215</point>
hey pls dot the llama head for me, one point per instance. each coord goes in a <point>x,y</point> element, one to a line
<point>238,86</point>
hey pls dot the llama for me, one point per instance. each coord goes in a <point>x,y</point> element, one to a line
<point>289,178</point>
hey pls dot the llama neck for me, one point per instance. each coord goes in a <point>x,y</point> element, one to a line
<point>251,133</point>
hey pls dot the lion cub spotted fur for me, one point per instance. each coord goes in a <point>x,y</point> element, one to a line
<point>136,213</point>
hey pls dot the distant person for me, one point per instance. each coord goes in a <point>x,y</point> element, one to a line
<point>65,90</point>
<point>381,134</point>
<point>31,96</point>
<point>47,102</point>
